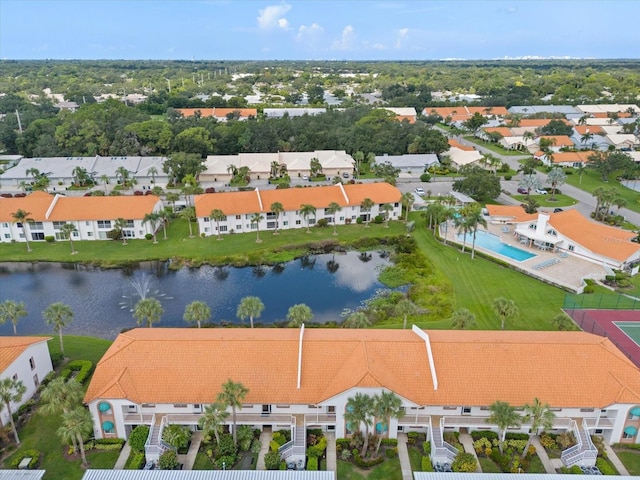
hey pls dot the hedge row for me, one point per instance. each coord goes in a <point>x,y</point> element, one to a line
<point>362,463</point>
<point>135,461</point>
<point>33,454</point>
<point>312,463</point>
<point>83,367</point>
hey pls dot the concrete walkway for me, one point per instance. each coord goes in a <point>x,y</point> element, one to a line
<point>613,458</point>
<point>542,454</point>
<point>265,438</point>
<point>122,459</point>
<point>332,459</point>
<point>190,458</point>
<point>403,455</point>
<point>467,442</point>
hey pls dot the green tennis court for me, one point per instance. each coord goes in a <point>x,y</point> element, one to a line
<point>630,329</point>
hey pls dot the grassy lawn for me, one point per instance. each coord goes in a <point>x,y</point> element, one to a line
<point>487,465</point>
<point>536,465</point>
<point>477,282</point>
<point>496,148</point>
<point>232,249</point>
<point>631,460</point>
<point>545,200</point>
<point>592,180</point>
<point>415,458</point>
<point>39,432</point>
<point>389,470</point>
<point>202,462</point>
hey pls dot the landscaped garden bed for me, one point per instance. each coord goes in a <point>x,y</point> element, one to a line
<point>510,459</point>
<point>227,455</point>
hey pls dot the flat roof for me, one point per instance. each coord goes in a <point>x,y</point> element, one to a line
<point>21,474</point>
<point>203,475</point>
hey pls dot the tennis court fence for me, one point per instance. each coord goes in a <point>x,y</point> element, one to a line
<point>604,301</point>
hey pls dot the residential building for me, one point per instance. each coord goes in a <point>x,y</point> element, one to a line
<point>410,165</point>
<point>403,113</point>
<point>303,378</point>
<point>239,207</point>
<point>25,359</point>
<point>93,217</point>
<point>292,112</point>
<point>94,474</point>
<point>565,159</point>
<point>461,155</point>
<point>220,114</point>
<point>559,142</point>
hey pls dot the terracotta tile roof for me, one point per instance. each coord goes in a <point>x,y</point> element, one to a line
<point>504,131</point>
<point>36,203</point>
<point>602,239</point>
<point>231,203</point>
<point>456,144</point>
<point>588,370</point>
<point>12,347</point>
<point>378,192</point>
<point>514,212</point>
<point>564,157</point>
<point>582,129</point>
<point>462,112</point>
<point>561,140</point>
<point>130,207</point>
<point>206,112</point>
<point>293,198</point>
<point>483,110</point>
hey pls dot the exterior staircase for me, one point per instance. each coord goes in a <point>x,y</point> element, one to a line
<point>295,450</point>
<point>584,453</point>
<point>441,451</point>
<point>154,446</point>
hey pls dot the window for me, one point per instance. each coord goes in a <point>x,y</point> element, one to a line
<point>331,428</point>
<point>238,227</point>
<point>254,226</point>
<point>36,380</point>
<point>587,410</point>
<point>396,204</point>
<point>129,224</point>
<point>283,406</point>
<point>298,222</point>
<point>132,408</point>
<point>223,228</point>
<point>266,409</point>
<point>32,363</point>
<point>37,235</point>
<point>466,410</point>
<point>87,224</point>
<point>15,377</point>
<point>58,225</point>
<point>312,221</point>
<point>5,225</point>
<point>533,226</point>
<point>271,225</point>
<point>331,409</point>
<point>285,223</point>
<point>449,408</point>
<point>626,435</point>
<point>7,236</point>
<point>148,405</point>
<point>572,248</point>
<point>179,405</point>
<point>104,223</point>
<point>35,225</point>
<point>207,219</point>
<point>271,216</point>
<point>89,234</point>
<point>238,217</point>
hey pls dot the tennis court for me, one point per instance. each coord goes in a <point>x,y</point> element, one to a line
<point>631,330</point>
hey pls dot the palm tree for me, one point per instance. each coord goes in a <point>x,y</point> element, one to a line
<point>581,169</point>
<point>197,311</point>
<point>11,310</point>
<point>358,157</point>
<point>357,320</point>
<point>360,409</point>
<point>189,214</point>
<point>152,218</point>
<point>58,315</point>
<point>21,217</point>
<point>213,418</point>
<point>306,210</point>
<point>172,198</point>
<point>76,424</point>
<point>164,218</point>
<point>218,216</point>
<point>473,217</point>
<point>275,166</point>
<point>386,208</point>
<point>462,319</point>
<point>67,230</point>
<point>526,136</point>
<point>619,202</point>
<point>148,310</point>
<point>257,218</point>
<point>556,177</point>
<point>462,226</point>
<point>250,307</point>
<point>563,322</point>
<point>122,174</point>
<point>11,391</point>
<point>586,136</point>
<point>333,209</point>
<point>232,395</point>
<point>153,171</point>
<point>505,309</point>
<point>407,201</point>
<point>540,416</point>
<point>105,181</point>
<point>277,208</point>
<point>299,314</point>
<point>405,307</point>
<point>366,206</point>
<point>60,396</point>
<point>121,224</point>
<point>503,416</point>
<point>387,405</point>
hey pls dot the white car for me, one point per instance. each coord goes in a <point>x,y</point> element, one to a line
<point>420,191</point>
<point>540,191</point>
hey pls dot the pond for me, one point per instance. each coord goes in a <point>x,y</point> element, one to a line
<point>103,299</point>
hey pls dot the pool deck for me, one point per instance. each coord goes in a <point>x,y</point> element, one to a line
<point>567,272</point>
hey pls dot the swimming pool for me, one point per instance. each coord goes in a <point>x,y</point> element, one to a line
<point>493,243</point>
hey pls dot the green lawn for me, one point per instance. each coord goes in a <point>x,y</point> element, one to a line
<point>536,465</point>
<point>631,460</point>
<point>496,148</point>
<point>232,249</point>
<point>39,432</point>
<point>488,466</point>
<point>389,470</point>
<point>592,180</point>
<point>202,462</point>
<point>545,200</point>
<point>415,459</point>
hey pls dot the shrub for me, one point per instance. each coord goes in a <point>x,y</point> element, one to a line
<point>464,462</point>
<point>279,438</point>
<point>210,190</point>
<point>273,446</point>
<point>345,454</point>
<point>168,460</point>
<point>391,452</point>
<point>575,470</point>
<point>272,461</point>
<point>425,177</point>
<point>566,440</point>
<point>148,236</point>
<point>508,177</point>
<point>359,221</point>
<point>605,467</point>
<point>138,437</point>
<point>412,437</point>
<point>135,461</point>
<point>343,444</point>
<point>318,449</point>
<point>426,464</point>
<point>225,462</point>
<point>312,463</point>
<point>33,454</point>
<point>548,442</point>
<point>488,434</point>
<point>26,407</point>
<point>378,219</point>
<point>226,447</point>
<point>177,436</point>
<point>56,359</point>
<point>426,448</point>
<point>516,436</point>
<point>631,446</point>
<point>138,193</point>
<point>362,463</point>
<point>49,239</point>
<point>83,367</point>
<point>390,442</point>
<point>322,223</point>
<point>245,437</point>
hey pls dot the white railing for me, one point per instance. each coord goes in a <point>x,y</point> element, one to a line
<point>291,448</point>
<point>590,446</point>
<point>580,451</point>
<point>150,449</point>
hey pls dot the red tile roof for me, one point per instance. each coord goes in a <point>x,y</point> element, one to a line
<point>12,347</point>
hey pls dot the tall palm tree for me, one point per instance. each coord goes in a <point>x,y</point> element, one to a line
<point>556,177</point>
<point>122,174</point>
<point>189,214</point>
<point>360,409</point>
<point>197,311</point>
<point>77,424</point>
<point>277,208</point>
<point>386,208</point>
<point>152,219</point>
<point>527,136</point>
<point>11,391</point>
<point>585,137</point>
<point>105,181</point>
<point>473,217</point>
<point>148,310</point>
<point>232,395</point>
<point>153,171</point>
<point>407,200</point>
<point>462,319</point>
<point>257,218</point>
<point>358,157</point>
<point>357,320</point>
<point>58,315</point>
<point>503,416</point>
<point>366,206</point>
<point>12,310</point>
<point>60,396</point>
<point>67,230</point>
<point>218,216</point>
<point>387,405</point>
<point>299,314</point>
<point>333,209</point>
<point>22,218</point>
<point>540,416</point>
<point>250,307</point>
<point>306,210</point>
<point>405,307</point>
<point>505,309</point>
<point>120,224</point>
<point>164,219</point>
<point>213,418</point>
<point>172,198</point>
<point>462,227</point>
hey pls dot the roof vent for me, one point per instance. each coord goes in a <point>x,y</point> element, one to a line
<point>423,335</point>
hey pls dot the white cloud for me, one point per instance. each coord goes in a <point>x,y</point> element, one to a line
<point>403,33</point>
<point>273,17</point>
<point>346,39</point>
<point>306,33</point>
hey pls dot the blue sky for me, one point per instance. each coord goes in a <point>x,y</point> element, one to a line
<point>317,30</point>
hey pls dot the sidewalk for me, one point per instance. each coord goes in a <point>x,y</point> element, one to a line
<point>122,459</point>
<point>332,460</point>
<point>467,443</point>
<point>403,455</point>
<point>190,458</point>
<point>542,454</point>
<point>265,438</point>
<point>613,458</point>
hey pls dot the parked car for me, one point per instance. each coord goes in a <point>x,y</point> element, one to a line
<point>522,191</point>
<point>305,178</point>
<point>556,210</point>
<point>420,191</point>
<point>345,175</point>
<point>541,191</point>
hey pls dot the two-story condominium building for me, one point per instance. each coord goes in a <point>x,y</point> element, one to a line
<point>239,207</point>
<point>93,217</point>
<point>25,359</point>
<point>303,378</point>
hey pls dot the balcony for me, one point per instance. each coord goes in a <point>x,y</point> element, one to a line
<point>320,418</point>
<point>414,419</point>
<point>241,418</point>
<point>138,418</point>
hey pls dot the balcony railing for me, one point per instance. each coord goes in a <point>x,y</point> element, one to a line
<point>319,418</point>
